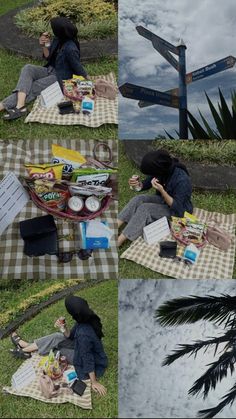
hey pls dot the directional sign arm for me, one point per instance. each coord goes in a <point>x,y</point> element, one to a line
<point>165,53</point>
<point>150,36</point>
<point>132,91</point>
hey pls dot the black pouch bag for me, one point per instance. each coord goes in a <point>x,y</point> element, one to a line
<point>168,249</point>
<point>78,387</point>
<point>66,107</point>
<point>40,236</point>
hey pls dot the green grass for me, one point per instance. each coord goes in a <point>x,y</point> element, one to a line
<point>103,300</point>
<point>6,6</point>
<point>209,152</point>
<point>10,69</point>
<point>221,202</point>
<point>17,130</point>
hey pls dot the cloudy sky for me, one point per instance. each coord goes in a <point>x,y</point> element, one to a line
<point>208,28</point>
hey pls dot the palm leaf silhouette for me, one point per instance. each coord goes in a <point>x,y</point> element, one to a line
<point>228,399</point>
<point>217,371</point>
<point>195,347</point>
<point>219,310</point>
<point>192,309</point>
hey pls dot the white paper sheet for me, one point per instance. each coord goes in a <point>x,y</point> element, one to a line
<point>13,198</point>
<point>51,96</point>
<point>23,377</point>
<point>155,232</point>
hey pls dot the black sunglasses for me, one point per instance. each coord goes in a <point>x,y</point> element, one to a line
<point>66,257</point>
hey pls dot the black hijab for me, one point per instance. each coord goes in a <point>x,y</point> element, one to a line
<point>160,164</point>
<point>79,310</point>
<point>64,30</point>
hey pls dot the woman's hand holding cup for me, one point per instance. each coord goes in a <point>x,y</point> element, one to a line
<point>134,183</point>
<point>44,40</point>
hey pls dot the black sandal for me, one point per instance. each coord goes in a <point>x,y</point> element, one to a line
<point>15,113</point>
<point>20,354</point>
<point>15,340</point>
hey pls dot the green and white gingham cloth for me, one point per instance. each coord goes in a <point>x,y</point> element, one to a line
<point>212,263</point>
<point>13,263</point>
<point>105,112</point>
<point>64,396</point>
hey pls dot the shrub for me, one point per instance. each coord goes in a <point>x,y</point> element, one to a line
<point>98,15</point>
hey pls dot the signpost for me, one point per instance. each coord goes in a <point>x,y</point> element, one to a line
<point>203,72</point>
<point>175,98</point>
<point>132,91</point>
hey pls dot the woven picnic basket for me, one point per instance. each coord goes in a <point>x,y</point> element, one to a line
<point>82,216</point>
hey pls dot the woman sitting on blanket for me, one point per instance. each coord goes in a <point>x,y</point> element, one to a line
<point>82,345</point>
<point>172,183</point>
<point>63,60</point>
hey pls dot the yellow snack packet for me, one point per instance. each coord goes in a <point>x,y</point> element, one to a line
<point>45,171</point>
<point>190,217</point>
<point>78,77</point>
<point>71,159</point>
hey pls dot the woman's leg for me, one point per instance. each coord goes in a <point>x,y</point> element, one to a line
<point>130,209</point>
<point>46,343</point>
<point>33,79</point>
<point>144,215</point>
<point>42,345</point>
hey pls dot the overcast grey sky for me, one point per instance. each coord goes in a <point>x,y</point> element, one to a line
<point>208,28</point>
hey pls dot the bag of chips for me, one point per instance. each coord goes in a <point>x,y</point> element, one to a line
<point>71,159</point>
<point>93,177</point>
<point>45,171</point>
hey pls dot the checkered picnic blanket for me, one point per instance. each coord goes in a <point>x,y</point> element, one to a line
<point>212,263</point>
<point>106,112</point>
<point>13,263</point>
<point>64,396</point>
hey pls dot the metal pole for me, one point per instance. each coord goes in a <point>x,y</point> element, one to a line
<point>183,115</point>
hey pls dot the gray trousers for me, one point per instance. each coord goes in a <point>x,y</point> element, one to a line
<point>33,79</point>
<point>141,211</point>
<point>46,343</point>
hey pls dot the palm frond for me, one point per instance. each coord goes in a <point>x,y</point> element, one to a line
<point>217,371</point>
<point>195,347</point>
<point>192,309</point>
<point>228,399</point>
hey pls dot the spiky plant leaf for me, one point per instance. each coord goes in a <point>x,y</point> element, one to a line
<point>217,371</point>
<point>200,133</point>
<point>227,118</point>
<point>228,399</point>
<point>170,136</point>
<point>212,134</point>
<point>192,309</point>
<point>219,123</point>
<point>193,132</point>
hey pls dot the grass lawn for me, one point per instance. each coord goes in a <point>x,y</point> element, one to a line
<point>221,202</point>
<point>103,300</point>
<point>209,152</point>
<point>10,68</point>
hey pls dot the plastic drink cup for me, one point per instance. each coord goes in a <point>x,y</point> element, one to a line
<point>136,178</point>
<point>48,42</point>
<point>62,321</point>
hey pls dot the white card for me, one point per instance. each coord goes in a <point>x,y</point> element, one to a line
<point>51,96</point>
<point>23,377</point>
<point>13,198</point>
<point>155,232</point>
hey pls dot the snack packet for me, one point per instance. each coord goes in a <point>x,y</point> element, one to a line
<point>71,159</point>
<point>45,171</point>
<point>93,177</point>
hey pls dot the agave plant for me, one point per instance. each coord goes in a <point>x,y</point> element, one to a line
<point>222,312</point>
<point>224,118</point>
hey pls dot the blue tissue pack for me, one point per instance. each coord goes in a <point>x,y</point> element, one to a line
<point>92,242</point>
